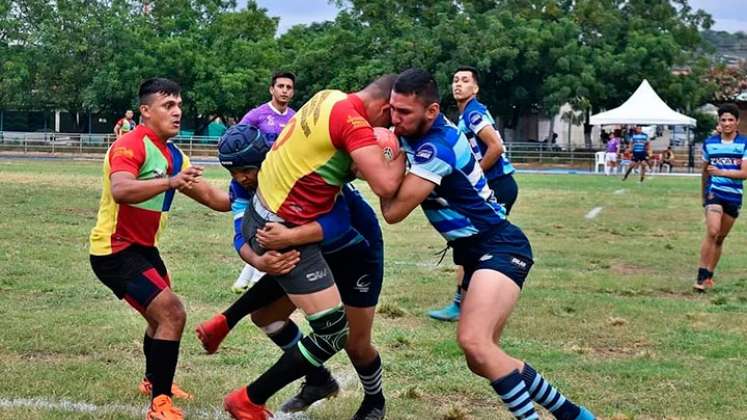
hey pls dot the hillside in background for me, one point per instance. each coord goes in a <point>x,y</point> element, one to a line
<point>730,47</point>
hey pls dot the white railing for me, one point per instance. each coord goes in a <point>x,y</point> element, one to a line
<point>518,152</point>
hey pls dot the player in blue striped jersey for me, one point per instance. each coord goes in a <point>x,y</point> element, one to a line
<point>446,181</point>
<point>723,173</point>
<point>478,125</point>
<point>641,150</point>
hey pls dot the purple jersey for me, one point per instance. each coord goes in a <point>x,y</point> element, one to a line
<point>268,119</point>
<point>613,145</point>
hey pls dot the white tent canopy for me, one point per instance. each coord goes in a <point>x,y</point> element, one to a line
<point>644,107</point>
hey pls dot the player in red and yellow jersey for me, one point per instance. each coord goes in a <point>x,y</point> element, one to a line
<point>298,182</point>
<point>142,171</point>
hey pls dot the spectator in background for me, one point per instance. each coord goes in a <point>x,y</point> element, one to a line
<point>613,148</point>
<point>126,124</point>
<point>667,158</point>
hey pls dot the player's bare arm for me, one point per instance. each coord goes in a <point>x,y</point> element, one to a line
<point>493,140</point>
<point>126,188</point>
<point>384,176</point>
<point>411,193</point>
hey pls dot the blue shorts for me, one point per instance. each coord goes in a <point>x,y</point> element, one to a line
<point>506,190</point>
<point>731,208</point>
<point>505,249</point>
<point>640,156</point>
<point>359,273</point>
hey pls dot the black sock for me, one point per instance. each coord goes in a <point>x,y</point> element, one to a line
<point>164,355</point>
<point>147,345</point>
<point>703,274</point>
<point>371,380</point>
<point>265,290</point>
<point>710,275</point>
<point>287,337</point>
<point>291,366</point>
<point>318,376</point>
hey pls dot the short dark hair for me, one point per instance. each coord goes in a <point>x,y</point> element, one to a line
<point>158,85</point>
<point>282,74</point>
<point>381,87</point>
<point>470,69</point>
<point>728,108</point>
<point>418,82</point>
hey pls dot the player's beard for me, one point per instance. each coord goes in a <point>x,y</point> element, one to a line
<point>423,128</point>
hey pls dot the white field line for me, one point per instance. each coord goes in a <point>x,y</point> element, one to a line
<point>593,213</point>
<point>620,191</point>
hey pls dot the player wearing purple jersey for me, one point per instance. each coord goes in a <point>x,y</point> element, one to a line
<point>270,117</point>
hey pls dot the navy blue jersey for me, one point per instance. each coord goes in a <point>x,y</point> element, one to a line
<point>351,220</point>
<point>725,156</point>
<point>462,204</point>
<point>476,117</point>
<point>639,142</point>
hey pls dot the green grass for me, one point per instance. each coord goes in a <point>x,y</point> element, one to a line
<point>606,313</point>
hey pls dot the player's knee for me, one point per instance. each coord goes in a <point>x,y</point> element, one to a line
<point>719,239</point>
<point>472,344</point>
<point>329,334</point>
<point>359,349</point>
<point>713,234</point>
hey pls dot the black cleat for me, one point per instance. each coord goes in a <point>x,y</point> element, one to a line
<point>309,394</point>
<point>369,411</point>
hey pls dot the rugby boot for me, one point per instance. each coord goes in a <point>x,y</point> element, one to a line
<point>240,407</point>
<point>161,408</point>
<point>371,410</point>
<point>447,313</point>
<point>212,332</point>
<point>309,394</point>
<point>585,414</point>
<point>146,388</point>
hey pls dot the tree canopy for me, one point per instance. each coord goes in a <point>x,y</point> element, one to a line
<point>533,55</point>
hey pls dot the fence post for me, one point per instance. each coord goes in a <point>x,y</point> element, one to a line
<point>190,146</point>
<point>25,147</point>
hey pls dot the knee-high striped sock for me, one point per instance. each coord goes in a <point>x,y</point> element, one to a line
<point>370,377</point>
<point>458,296</point>
<point>513,392</point>
<point>548,396</point>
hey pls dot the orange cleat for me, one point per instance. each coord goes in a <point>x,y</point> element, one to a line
<point>212,332</point>
<point>161,408</point>
<point>240,407</point>
<point>146,388</point>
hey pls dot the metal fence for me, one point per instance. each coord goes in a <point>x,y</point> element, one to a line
<point>532,153</point>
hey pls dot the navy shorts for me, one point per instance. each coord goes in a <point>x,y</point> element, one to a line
<point>506,190</point>
<point>640,156</point>
<point>136,274</point>
<point>359,273</point>
<point>505,249</point>
<point>731,208</point>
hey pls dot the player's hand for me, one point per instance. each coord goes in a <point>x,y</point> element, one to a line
<point>713,171</point>
<point>186,178</point>
<point>277,263</point>
<point>274,236</point>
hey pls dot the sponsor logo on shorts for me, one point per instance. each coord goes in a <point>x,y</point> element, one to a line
<point>518,262</point>
<point>486,257</point>
<point>362,285</point>
<point>316,275</point>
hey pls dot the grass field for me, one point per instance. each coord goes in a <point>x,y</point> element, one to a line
<point>606,313</point>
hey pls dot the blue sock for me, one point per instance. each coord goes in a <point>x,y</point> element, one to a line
<point>548,396</point>
<point>513,392</point>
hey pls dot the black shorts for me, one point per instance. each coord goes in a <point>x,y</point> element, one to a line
<point>136,274</point>
<point>505,249</point>
<point>731,208</point>
<point>359,273</point>
<point>640,156</point>
<point>312,273</point>
<point>506,190</point>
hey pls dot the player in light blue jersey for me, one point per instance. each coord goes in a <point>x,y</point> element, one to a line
<point>446,181</point>
<point>723,172</point>
<point>641,148</point>
<point>478,126</point>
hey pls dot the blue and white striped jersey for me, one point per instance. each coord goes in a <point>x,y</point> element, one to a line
<point>476,117</point>
<point>462,204</point>
<point>726,156</point>
<point>639,142</point>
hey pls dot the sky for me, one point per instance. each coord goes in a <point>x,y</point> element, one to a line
<point>729,15</point>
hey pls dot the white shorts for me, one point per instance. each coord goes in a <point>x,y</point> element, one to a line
<point>610,157</point>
